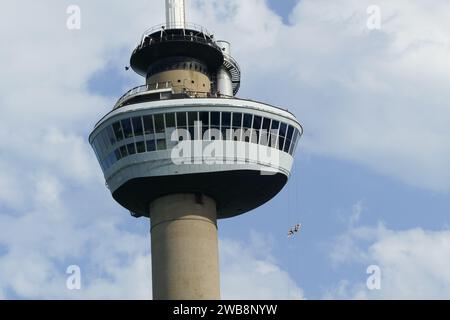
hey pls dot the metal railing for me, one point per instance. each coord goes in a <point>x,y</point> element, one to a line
<point>185,26</point>
<point>191,32</point>
<point>142,89</point>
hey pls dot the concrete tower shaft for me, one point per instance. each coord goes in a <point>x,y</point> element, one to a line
<point>185,258</point>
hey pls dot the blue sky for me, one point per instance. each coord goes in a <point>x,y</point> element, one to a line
<point>370,182</point>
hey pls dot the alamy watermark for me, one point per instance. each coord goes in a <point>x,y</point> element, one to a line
<point>374,280</point>
<point>374,19</point>
<point>73,21</point>
<point>73,281</point>
<point>221,147</point>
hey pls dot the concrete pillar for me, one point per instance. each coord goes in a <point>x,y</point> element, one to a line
<point>185,259</point>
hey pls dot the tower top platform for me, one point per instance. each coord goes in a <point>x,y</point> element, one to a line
<point>187,40</point>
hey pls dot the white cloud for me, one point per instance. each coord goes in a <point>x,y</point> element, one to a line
<point>413,263</point>
<point>250,272</point>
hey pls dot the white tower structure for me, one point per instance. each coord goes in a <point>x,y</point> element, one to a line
<point>184,151</point>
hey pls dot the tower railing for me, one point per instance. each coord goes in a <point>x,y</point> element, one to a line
<point>142,89</point>
<point>190,32</point>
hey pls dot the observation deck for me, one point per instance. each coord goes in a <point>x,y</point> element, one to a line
<point>189,40</point>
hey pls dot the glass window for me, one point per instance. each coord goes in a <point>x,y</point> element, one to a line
<point>118,155</point>
<point>257,122</point>
<point>215,119</point>
<point>226,119</point>
<point>226,125</point>
<point>97,148</point>
<point>266,124</point>
<point>274,140</point>
<point>137,126</point>
<point>126,126</point>
<point>161,144</point>
<point>247,121</point>
<point>204,118</point>
<point>118,131</point>
<point>170,120</point>
<point>283,128</point>
<point>148,125</point>
<point>237,120</point>
<point>131,148</point>
<point>140,146</point>
<point>123,151</point>
<point>275,125</point>
<point>191,133</point>
<point>159,123</point>
<point>290,132</point>
<point>181,120</point>
<point>192,117</point>
<point>281,142</point>
<point>151,145</point>
<point>294,142</point>
<point>104,142</point>
<point>110,134</point>
<point>287,145</point>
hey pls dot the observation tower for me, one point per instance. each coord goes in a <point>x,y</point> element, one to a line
<point>184,151</point>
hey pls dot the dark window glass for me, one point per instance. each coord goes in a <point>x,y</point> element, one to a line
<point>118,155</point>
<point>137,126</point>
<point>290,132</point>
<point>226,119</point>
<point>126,126</point>
<point>275,125</point>
<point>104,143</point>
<point>140,147</point>
<point>204,118</point>
<point>111,137</point>
<point>148,124</point>
<point>123,151</point>
<point>294,141</point>
<point>247,121</point>
<point>170,120</point>
<point>96,148</point>
<point>283,128</point>
<point>191,133</point>
<point>151,145</point>
<point>192,117</point>
<point>237,120</point>
<point>118,131</point>
<point>159,123</point>
<point>181,119</point>
<point>131,149</point>
<point>281,143</point>
<point>287,145</point>
<point>161,144</point>
<point>215,119</point>
<point>266,124</point>
<point>257,122</point>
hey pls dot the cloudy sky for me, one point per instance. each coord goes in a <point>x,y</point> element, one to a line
<point>371,179</point>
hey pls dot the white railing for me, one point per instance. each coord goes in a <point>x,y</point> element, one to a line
<point>141,89</point>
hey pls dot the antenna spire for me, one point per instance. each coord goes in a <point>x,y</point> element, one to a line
<point>175,14</point>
